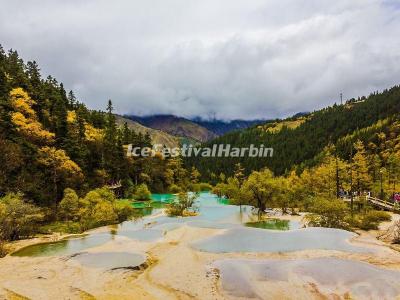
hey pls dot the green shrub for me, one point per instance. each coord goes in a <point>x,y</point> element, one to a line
<point>18,219</point>
<point>369,220</point>
<point>204,186</point>
<point>219,190</point>
<point>194,187</point>
<point>104,213</point>
<point>62,227</point>
<point>327,213</point>
<point>124,210</point>
<point>174,211</point>
<point>353,221</point>
<point>182,205</point>
<point>100,207</point>
<point>142,193</point>
<point>372,219</point>
<point>129,188</point>
<point>174,189</point>
<point>97,209</point>
<point>69,205</point>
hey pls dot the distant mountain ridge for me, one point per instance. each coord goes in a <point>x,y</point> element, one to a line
<point>196,129</point>
<point>157,136</point>
<point>176,126</point>
<point>221,127</point>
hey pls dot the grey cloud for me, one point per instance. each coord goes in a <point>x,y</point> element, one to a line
<point>237,59</point>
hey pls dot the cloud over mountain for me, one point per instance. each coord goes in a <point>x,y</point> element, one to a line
<point>234,59</point>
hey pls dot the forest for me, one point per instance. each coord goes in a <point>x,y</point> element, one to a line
<point>299,141</point>
<point>59,159</point>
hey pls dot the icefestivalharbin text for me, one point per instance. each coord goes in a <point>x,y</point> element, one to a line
<point>217,150</point>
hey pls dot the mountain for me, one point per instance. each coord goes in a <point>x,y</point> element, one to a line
<point>157,136</point>
<point>297,141</point>
<point>176,126</point>
<point>196,129</point>
<point>220,127</point>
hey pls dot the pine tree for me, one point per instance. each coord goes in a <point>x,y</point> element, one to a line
<point>126,134</point>
<point>72,102</point>
<point>111,127</point>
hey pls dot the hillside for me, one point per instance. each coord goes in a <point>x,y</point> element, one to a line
<point>50,141</point>
<point>157,136</point>
<point>220,127</point>
<point>297,141</point>
<point>176,126</point>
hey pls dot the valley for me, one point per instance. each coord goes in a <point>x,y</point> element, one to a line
<point>82,219</point>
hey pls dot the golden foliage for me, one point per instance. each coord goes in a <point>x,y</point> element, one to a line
<point>31,128</point>
<point>71,116</point>
<point>25,119</point>
<point>364,131</point>
<point>58,160</point>
<point>21,102</point>
<point>93,134</point>
<point>361,177</point>
<point>277,126</point>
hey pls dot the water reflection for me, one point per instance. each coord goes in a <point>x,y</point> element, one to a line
<point>274,224</point>
<point>110,260</point>
<point>214,212</point>
<point>258,240</point>
<point>246,278</point>
<point>65,247</point>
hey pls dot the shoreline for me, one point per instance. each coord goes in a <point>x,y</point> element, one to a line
<point>55,237</point>
<point>174,269</point>
<point>18,245</point>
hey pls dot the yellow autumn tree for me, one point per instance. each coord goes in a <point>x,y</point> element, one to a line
<point>61,166</point>
<point>362,180</point>
<point>25,119</point>
<point>326,178</point>
<point>71,116</point>
<point>93,134</point>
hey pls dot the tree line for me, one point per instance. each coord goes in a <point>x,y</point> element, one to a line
<point>59,158</point>
<point>299,146</point>
<point>50,141</point>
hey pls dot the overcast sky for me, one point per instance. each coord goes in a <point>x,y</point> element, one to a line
<point>232,58</point>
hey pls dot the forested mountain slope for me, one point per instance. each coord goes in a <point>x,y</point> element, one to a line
<point>298,140</point>
<point>157,136</point>
<point>49,141</point>
<point>221,127</point>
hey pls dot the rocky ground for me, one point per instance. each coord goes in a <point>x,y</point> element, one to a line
<point>174,270</point>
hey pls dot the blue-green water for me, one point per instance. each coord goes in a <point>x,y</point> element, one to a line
<point>240,277</point>
<point>259,240</point>
<point>165,198</point>
<point>157,202</point>
<point>216,213</point>
<point>273,224</point>
<point>65,247</point>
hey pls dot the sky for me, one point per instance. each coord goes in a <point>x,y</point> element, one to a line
<point>229,59</point>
